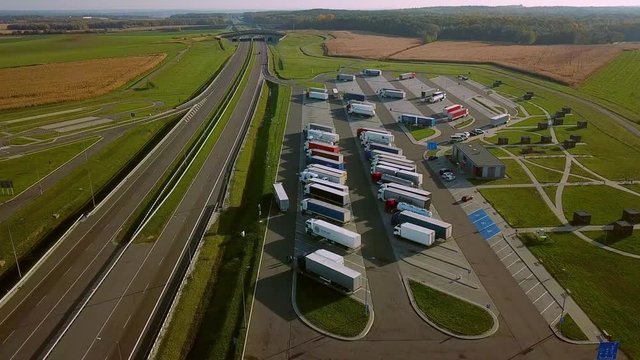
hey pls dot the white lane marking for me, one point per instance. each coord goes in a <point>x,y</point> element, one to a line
<point>525,279</point>
<point>517,272</point>
<point>506,256</point>
<point>7,338</point>
<point>145,288</point>
<point>539,297</point>
<point>40,301</point>
<point>548,306</point>
<point>497,242</point>
<point>126,322</point>
<point>533,287</point>
<point>502,248</point>
<point>161,260</point>
<point>515,261</point>
<point>65,273</point>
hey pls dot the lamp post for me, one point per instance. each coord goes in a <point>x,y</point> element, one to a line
<point>564,301</point>
<point>15,255</point>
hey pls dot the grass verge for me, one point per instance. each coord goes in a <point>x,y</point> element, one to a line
<point>629,244</point>
<point>419,132</point>
<point>605,285</point>
<point>521,207</point>
<point>449,312</point>
<point>28,169</point>
<point>603,202</point>
<point>570,329</point>
<point>329,309</point>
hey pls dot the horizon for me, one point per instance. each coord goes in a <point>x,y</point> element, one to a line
<point>147,5</point>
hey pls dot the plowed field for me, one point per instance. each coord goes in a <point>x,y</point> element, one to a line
<point>76,80</point>
<point>367,45</point>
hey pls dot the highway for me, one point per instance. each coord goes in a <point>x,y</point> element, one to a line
<point>397,332</point>
<point>49,308</point>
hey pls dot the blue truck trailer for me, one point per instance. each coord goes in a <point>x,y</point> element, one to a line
<point>325,210</point>
<point>326,162</point>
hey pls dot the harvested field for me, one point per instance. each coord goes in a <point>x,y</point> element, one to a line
<point>77,80</point>
<point>568,63</point>
<point>348,43</point>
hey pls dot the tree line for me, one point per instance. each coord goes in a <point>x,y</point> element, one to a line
<point>512,24</point>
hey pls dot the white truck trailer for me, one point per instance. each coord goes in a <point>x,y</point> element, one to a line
<point>390,159</point>
<point>331,256</point>
<point>376,137</point>
<point>367,103</point>
<point>317,89</point>
<point>436,96</point>
<point>361,109</point>
<point>392,179</point>
<point>323,136</point>
<point>333,233</point>
<point>384,169</point>
<point>318,95</point>
<point>500,119</point>
<point>333,272</point>
<point>345,77</point>
<point>392,93</point>
<point>406,76</point>
<point>415,177</point>
<point>281,196</point>
<point>329,169</point>
<point>328,183</point>
<point>309,174</point>
<point>410,189</point>
<point>415,233</point>
<point>395,165</point>
<point>316,126</point>
<point>404,196</point>
<point>384,154</point>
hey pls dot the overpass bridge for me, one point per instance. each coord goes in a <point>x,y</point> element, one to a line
<point>253,34</point>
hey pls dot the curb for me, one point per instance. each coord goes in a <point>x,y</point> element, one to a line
<point>488,333</point>
<point>559,335</point>
<point>364,332</point>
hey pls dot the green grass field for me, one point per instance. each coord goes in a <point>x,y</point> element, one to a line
<point>515,135</point>
<point>544,175</point>
<point>464,123</point>
<point>26,170</point>
<point>31,224</point>
<point>449,312</point>
<point>603,202</point>
<point>521,207</point>
<point>330,310</point>
<point>629,244</point>
<point>419,132</point>
<point>604,284</point>
<point>556,163</point>
<point>551,192</point>
<point>188,66</point>
<point>618,83</point>
<point>570,329</point>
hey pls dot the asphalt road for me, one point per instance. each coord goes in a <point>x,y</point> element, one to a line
<point>397,333</point>
<point>31,318</point>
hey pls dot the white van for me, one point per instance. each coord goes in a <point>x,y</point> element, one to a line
<point>458,137</point>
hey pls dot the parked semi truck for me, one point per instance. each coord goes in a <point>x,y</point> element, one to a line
<point>334,233</point>
<point>384,169</point>
<point>392,93</point>
<point>326,154</point>
<point>500,119</point>
<point>328,183</point>
<point>410,189</point>
<point>316,126</point>
<point>308,174</point>
<point>384,154</point>
<point>457,114</point>
<point>417,120</point>
<point>376,137</point>
<point>361,109</point>
<point>322,135</point>
<point>404,196</point>
<point>359,131</point>
<point>443,230</point>
<point>452,108</point>
<point>351,102</point>
<point>371,72</point>
<point>415,233</point>
<point>392,165</point>
<point>403,206</point>
<point>330,255</point>
<point>345,77</point>
<point>281,197</point>
<point>354,96</point>
<point>318,95</point>
<point>324,209</point>
<point>415,177</point>
<point>317,89</point>
<point>333,272</point>
<point>436,97</point>
<point>380,178</point>
<point>326,162</point>
<point>406,76</point>
<point>386,148</point>
<point>388,159</point>
<point>309,145</point>
<point>328,168</point>
<point>327,194</point>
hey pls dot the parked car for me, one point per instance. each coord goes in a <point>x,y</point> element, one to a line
<point>445,171</point>
<point>466,198</point>
<point>432,157</point>
<point>463,77</point>
<point>479,131</point>
<point>448,177</point>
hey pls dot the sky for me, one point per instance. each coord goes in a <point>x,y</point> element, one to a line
<point>282,4</point>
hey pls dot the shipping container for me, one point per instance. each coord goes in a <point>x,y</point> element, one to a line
<point>325,210</point>
<point>334,233</point>
<point>333,272</point>
<point>443,230</point>
<point>319,160</point>
<point>328,194</point>
<point>326,154</point>
<point>415,233</point>
<point>345,77</point>
<point>321,146</point>
<point>281,196</point>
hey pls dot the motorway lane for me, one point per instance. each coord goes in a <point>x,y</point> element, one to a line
<point>34,313</point>
<point>116,316</point>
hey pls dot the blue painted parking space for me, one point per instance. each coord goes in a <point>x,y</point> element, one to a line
<point>484,224</point>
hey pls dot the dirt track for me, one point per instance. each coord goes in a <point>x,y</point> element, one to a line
<point>568,63</point>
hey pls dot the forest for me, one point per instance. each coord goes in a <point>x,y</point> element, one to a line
<point>513,24</point>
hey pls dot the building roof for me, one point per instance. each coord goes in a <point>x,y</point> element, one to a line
<point>478,155</point>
